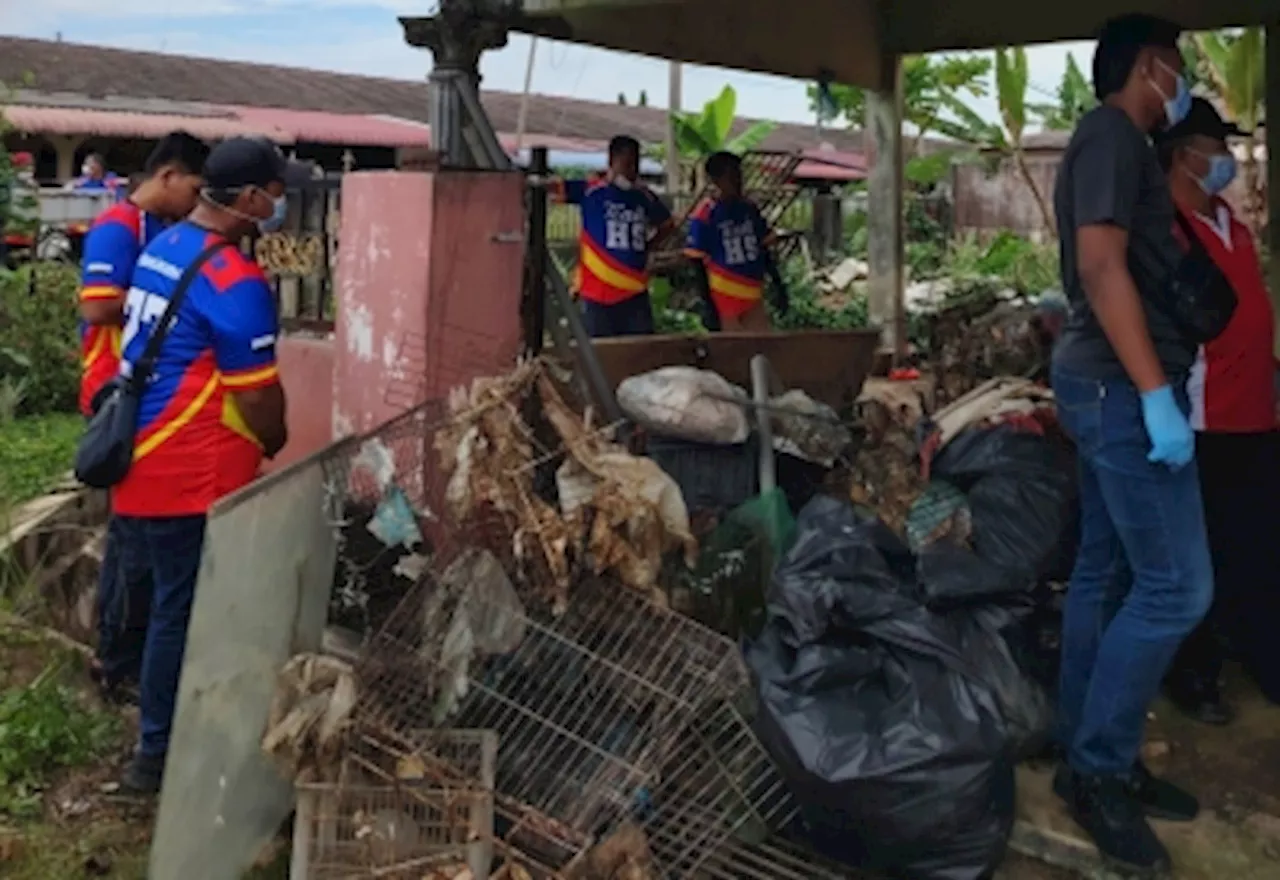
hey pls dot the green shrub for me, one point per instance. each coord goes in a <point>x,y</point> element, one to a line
<point>39,342</point>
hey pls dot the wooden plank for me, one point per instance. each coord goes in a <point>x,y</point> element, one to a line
<point>885,231</point>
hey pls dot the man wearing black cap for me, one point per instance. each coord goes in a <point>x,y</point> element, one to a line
<point>212,409</point>
<point>1142,578</point>
<point>1233,410</point>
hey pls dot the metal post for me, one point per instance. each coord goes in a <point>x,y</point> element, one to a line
<point>536,289</point>
<point>674,88</point>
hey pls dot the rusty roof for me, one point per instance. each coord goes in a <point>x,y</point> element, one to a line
<point>101,73</point>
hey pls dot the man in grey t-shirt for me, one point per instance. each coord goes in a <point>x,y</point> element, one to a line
<point>1142,578</point>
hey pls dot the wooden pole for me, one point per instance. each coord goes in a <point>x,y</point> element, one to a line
<point>523,118</point>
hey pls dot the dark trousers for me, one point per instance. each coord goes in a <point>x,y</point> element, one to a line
<point>631,317</point>
<point>1143,577</point>
<point>172,548</point>
<point>124,608</point>
<point>1240,482</point>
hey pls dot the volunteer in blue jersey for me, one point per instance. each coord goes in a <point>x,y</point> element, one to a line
<point>621,221</point>
<point>213,409</point>
<point>167,193</point>
<point>729,242</point>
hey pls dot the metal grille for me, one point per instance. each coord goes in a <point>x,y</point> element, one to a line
<point>610,709</point>
<point>767,181</point>
<point>299,259</point>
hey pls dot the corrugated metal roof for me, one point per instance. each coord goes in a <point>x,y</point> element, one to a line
<point>115,123</point>
<point>352,129</point>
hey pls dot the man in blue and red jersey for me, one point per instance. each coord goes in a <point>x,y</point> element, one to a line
<point>117,237</point>
<point>213,409</point>
<point>621,220</point>
<point>730,240</point>
<point>94,177</point>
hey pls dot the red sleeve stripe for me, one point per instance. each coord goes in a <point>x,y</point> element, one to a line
<point>258,377</point>
<point>100,291</point>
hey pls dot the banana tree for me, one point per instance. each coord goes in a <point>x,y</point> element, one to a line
<point>1075,99</point>
<point>1232,64</point>
<point>709,130</point>
<point>1006,138</point>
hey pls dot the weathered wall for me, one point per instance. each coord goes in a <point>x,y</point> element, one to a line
<point>429,281</point>
<point>306,370</point>
<point>988,200</point>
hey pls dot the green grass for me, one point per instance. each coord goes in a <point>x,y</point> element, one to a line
<point>35,451</point>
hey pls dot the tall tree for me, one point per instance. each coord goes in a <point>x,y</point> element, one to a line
<point>1075,99</point>
<point>930,86</point>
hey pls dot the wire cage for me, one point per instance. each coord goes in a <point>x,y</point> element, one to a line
<point>610,708</point>
<point>394,815</point>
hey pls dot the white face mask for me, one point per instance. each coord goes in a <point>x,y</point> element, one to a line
<point>621,182</point>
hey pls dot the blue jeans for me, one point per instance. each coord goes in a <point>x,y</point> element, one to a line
<point>172,548</point>
<point>124,608</point>
<point>1143,578</point>
<point>631,317</point>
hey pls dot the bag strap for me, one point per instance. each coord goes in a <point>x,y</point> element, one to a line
<point>142,369</point>
<point>1193,240</point>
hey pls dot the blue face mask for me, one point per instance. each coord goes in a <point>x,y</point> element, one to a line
<point>274,223</point>
<point>1222,170</point>
<point>1177,107</point>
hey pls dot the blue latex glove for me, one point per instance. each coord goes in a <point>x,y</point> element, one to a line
<point>1172,440</point>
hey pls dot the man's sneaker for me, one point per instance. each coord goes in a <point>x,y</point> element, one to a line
<point>1105,808</point>
<point>144,775</point>
<point>1159,798</point>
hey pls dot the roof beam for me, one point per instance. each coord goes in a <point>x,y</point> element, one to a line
<point>830,37</point>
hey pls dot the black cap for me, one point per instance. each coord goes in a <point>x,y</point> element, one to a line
<point>1202,119</point>
<point>241,162</point>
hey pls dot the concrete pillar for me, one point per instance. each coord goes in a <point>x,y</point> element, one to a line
<point>1273,166</point>
<point>428,290</point>
<point>65,146</point>
<point>885,231</point>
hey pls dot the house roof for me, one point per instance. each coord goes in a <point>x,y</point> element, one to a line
<point>103,73</point>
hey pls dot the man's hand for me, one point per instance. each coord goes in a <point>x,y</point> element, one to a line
<point>1172,440</point>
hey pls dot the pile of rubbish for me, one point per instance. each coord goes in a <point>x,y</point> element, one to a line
<point>553,615</point>
<point>904,670</point>
<point>530,549</point>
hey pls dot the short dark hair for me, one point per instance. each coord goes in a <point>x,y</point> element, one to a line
<point>720,163</point>
<point>178,148</point>
<point>623,144</point>
<point>1120,41</point>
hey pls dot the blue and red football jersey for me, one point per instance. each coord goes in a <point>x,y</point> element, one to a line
<point>729,238</point>
<point>193,446</point>
<point>614,243</point>
<point>111,248</point>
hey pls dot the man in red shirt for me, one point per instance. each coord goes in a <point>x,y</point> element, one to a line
<point>213,409</point>
<point>167,194</point>
<point>1233,409</point>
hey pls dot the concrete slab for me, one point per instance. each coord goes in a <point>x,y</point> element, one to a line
<point>1234,770</point>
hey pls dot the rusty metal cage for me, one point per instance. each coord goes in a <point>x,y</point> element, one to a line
<point>610,708</point>
<point>395,815</point>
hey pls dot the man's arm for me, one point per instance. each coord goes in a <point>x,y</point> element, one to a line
<point>1101,259</point>
<point>1105,173</point>
<point>659,218</point>
<point>110,251</point>
<point>245,328</point>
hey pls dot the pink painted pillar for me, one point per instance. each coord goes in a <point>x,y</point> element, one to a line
<point>428,295</point>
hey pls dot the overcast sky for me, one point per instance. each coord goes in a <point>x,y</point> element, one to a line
<point>364,37</point>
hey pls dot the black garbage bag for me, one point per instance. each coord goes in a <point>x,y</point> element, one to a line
<point>1021,491</point>
<point>883,714</point>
